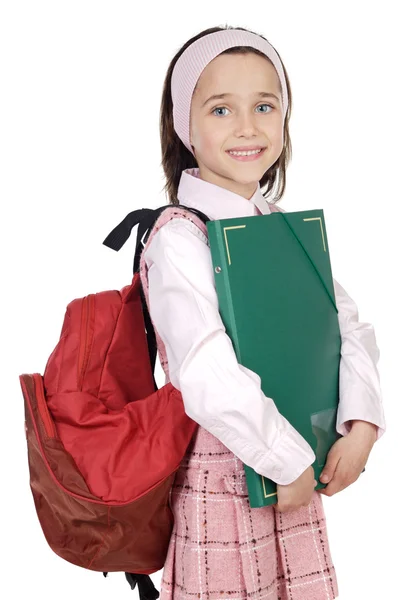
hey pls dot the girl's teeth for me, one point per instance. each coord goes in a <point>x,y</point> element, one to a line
<point>244,153</point>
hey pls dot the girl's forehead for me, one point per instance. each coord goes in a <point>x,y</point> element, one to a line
<point>227,72</point>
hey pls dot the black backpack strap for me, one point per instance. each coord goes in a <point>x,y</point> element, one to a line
<point>198,212</point>
<point>146,589</point>
<point>145,218</point>
<point>150,336</point>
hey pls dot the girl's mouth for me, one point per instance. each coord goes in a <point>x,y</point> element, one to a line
<point>249,157</point>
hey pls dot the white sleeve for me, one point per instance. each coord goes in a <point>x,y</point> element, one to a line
<point>218,393</point>
<point>360,393</point>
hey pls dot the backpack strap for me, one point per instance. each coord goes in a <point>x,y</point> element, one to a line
<point>146,588</point>
<point>146,218</point>
<point>173,212</point>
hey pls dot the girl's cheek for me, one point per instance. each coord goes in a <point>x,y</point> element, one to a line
<point>207,136</point>
<point>207,141</point>
<point>214,137</point>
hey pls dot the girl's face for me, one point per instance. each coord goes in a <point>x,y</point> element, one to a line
<point>241,118</point>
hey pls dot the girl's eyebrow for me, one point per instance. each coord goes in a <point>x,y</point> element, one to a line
<point>222,96</point>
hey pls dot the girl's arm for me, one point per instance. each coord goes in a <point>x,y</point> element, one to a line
<point>360,393</point>
<point>218,393</point>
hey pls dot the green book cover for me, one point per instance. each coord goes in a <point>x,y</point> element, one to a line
<point>276,298</point>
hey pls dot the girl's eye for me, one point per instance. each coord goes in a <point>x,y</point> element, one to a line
<point>219,108</point>
<point>224,107</point>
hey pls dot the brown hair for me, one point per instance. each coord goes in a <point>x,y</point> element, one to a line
<point>176,157</point>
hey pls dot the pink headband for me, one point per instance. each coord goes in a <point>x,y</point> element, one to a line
<point>194,59</point>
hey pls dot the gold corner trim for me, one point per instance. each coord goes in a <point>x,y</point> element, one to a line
<point>265,489</point>
<point>320,223</point>
<point>226,239</point>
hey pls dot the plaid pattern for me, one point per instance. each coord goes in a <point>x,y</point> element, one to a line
<point>222,548</point>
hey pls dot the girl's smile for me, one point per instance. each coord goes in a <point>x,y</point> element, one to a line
<point>252,155</point>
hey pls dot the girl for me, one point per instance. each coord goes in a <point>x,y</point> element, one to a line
<point>227,92</point>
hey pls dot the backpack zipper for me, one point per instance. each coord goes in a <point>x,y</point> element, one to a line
<point>43,408</point>
<point>86,338</point>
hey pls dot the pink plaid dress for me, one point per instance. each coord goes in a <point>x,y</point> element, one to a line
<point>222,548</point>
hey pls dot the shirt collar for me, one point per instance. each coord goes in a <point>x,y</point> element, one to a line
<point>215,201</point>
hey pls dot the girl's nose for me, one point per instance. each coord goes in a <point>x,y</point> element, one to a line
<point>246,124</point>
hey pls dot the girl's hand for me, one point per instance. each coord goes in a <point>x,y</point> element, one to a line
<point>348,457</point>
<point>298,493</point>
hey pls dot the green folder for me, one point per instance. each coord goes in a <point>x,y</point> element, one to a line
<point>276,298</point>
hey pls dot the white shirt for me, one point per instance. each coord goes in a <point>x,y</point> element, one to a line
<point>220,394</point>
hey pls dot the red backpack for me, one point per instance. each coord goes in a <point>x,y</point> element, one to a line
<point>104,443</point>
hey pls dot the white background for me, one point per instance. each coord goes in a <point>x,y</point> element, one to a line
<point>81,86</point>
